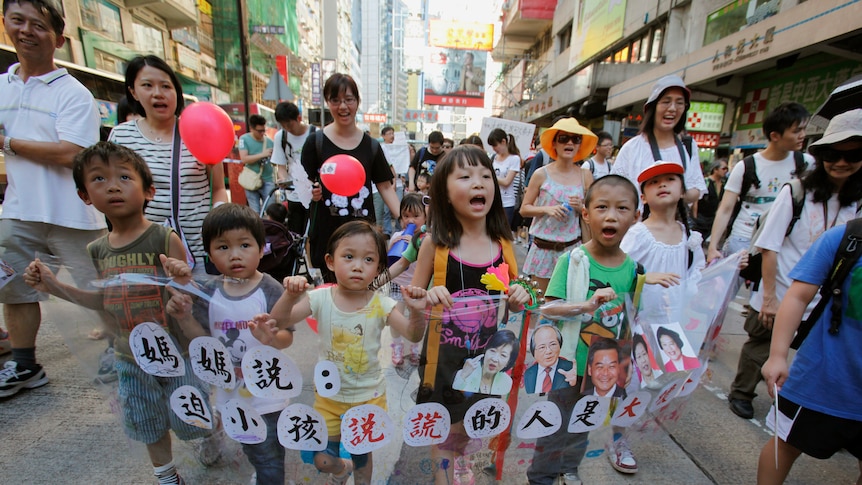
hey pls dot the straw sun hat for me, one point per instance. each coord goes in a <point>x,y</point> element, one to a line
<point>569,125</point>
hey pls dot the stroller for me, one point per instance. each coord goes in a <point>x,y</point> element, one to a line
<point>284,252</point>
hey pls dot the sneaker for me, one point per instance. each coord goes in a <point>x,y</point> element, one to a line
<point>621,457</point>
<point>13,378</point>
<point>397,354</point>
<point>742,408</point>
<point>415,353</point>
<point>179,480</point>
<point>342,478</point>
<point>208,450</point>
<point>571,478</point>
<point>107,371</point>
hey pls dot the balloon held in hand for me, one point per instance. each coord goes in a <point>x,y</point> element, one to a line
<point>207,132</point>
<point>342,175</point>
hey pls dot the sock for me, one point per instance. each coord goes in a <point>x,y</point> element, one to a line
<point>166,474</point>
<point>25,357</point>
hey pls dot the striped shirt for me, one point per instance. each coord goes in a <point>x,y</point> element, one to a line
<point>194,184</point>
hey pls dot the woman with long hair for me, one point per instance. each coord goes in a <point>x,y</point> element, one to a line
<point>659,138</point>
<point>155,93</point>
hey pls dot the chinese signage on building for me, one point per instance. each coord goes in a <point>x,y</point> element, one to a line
<point>428,116</point>
<point>374,117</point>
<point>461,35</point>
<point>705,117</point>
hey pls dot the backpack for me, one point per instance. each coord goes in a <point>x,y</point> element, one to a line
<point>683,144</point>
<point>536,163</point>
<point>749,179</point>
<point>610,164</point>
<point>753,272</point>
<point>285,143</point>
<point>848,254</point>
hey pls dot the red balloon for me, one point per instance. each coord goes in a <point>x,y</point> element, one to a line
<point>343,175</point>
<point>207,132</point>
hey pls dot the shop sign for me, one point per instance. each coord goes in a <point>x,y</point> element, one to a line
<point>374,117</point>
<point>705,140</point>
<point>428,116</point>
<point>745,48</point>
<point>461,35</point>
<point>315,83</point>
<point>705,117</point>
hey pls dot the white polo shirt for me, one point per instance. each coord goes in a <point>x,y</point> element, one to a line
<point>51,107</point>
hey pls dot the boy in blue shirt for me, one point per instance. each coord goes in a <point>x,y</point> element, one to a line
<point>818,411</point>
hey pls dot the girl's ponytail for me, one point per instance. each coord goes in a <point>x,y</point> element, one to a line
<point>511,146</point>
<point>682,215</point>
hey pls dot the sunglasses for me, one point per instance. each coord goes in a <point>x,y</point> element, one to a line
<point>576,139</point>
<point>832,155</point>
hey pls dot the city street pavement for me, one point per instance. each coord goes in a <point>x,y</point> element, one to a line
<point>67,432</point>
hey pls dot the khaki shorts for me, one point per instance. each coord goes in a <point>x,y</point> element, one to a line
<point>21,241</point>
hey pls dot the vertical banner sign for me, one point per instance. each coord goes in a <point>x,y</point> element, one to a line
<point>281,65</point>
<point>315,83</point>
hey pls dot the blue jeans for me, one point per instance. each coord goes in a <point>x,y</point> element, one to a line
<point>267,457</point>
<point>257,197</point>
<point>383,215</point>
<point>562,451</point>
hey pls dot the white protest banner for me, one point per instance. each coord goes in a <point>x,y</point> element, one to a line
<point>523,132</point>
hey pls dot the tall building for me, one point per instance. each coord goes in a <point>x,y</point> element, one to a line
<point>598,60</point>
<point>380,60</point>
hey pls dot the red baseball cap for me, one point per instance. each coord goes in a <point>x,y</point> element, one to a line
<point>660,168</point>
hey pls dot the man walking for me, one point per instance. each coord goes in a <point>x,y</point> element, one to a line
<point>48,118</point>
<point>291,138</point>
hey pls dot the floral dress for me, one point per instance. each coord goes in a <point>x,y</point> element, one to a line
<point>541,262</point>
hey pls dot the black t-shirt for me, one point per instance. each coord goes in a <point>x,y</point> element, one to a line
<point>427,164</point>
<point>331,211</point>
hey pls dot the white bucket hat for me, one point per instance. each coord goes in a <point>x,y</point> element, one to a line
<point>842,127</point>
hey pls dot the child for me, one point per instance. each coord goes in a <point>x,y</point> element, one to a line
<point>664,243</point>
<point>817,411</point>
<point>276,212</point>
<point>350,317</point>
<point>117,182</point>
<point>412,212</point>
<point>233,237</point>
<point>469,233</point>
<point>423,183</point>
<point>507,166</point>
<point>594,275</point>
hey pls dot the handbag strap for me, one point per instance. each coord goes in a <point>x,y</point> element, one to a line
<point>176,152</point>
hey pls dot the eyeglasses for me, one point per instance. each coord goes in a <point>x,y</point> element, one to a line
<point>832,155</point>
<point>606,146</point>
<point>260,130</point>
<point>546,347</point>
<point>447,147</point>
<point>576,139</point>
<point>349,101</point>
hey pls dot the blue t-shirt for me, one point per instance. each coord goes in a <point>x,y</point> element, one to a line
<point>826,374</point>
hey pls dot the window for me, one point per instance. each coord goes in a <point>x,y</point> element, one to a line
<point>148,39</point>
<point>656,46</point>
<point>564,38</point>
<point>103,17</point>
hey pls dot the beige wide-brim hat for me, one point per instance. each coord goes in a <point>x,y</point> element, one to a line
<point>842,127</point>
<point>570,125</point>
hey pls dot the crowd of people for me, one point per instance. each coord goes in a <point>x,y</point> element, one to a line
<point>644,224</point>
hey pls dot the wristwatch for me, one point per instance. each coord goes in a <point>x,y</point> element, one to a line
<point>7,146</point>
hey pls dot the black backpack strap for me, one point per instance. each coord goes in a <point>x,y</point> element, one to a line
<point>375,147</point>
<point>318,144</point>
<point>800,164</point>
<point>845,258</point>
<point>797,200</point>
<point>749,178</point>
<point>592,165</point>
<point>656,154</point>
